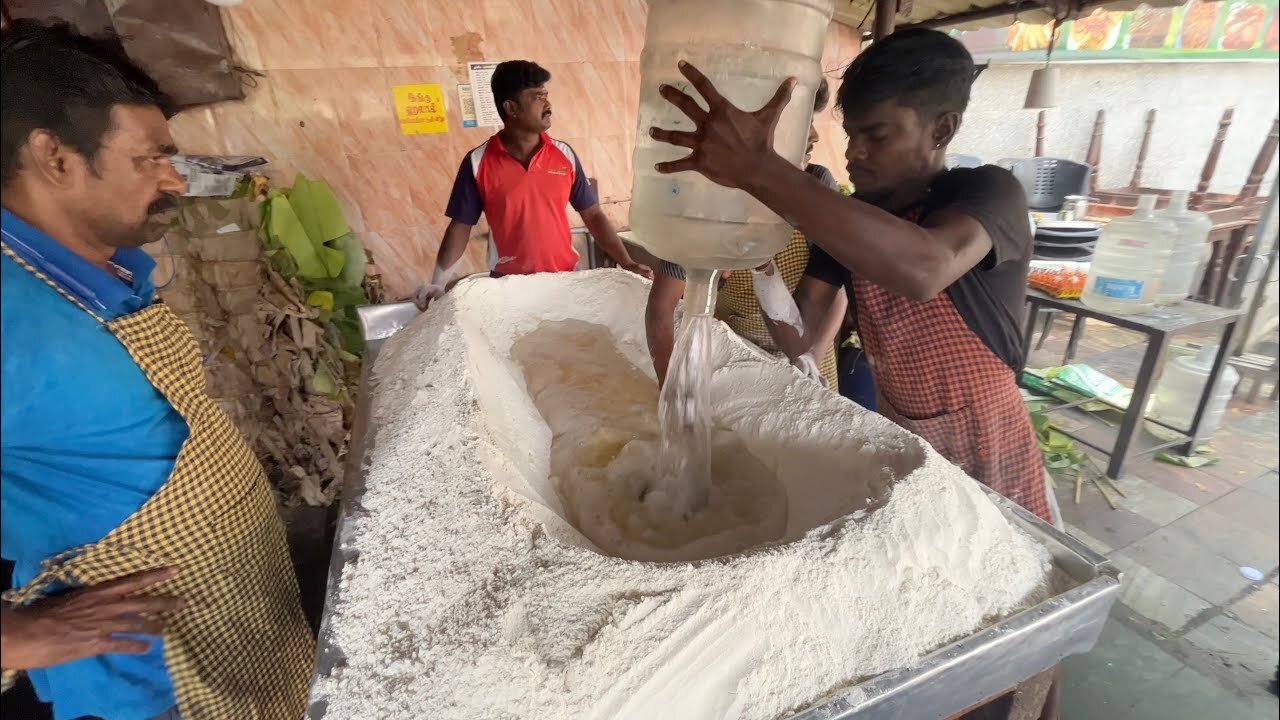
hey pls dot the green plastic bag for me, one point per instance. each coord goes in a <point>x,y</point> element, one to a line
<point>1090,382</point>
<point>1075,383</point>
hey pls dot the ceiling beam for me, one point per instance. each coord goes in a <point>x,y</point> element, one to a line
<point>969,16</point>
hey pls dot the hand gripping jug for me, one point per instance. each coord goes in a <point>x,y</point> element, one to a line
<point>746,48</point>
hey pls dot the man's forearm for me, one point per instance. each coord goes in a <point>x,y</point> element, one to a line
<point>452,246</point>
<point>812,299</point>
<point>605,236</point>
<point>780,311</point>
<point>6,639</point>
<point>661,335</point>
<point>824,337</point>
<point>787,338</point>
<point>659,321</point>
<point>888,251</point>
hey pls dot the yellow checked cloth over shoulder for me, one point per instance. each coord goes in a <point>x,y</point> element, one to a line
<point>241,648</point>
<point>736,304</point>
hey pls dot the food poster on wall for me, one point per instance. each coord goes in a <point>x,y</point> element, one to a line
<point>420,109</point>
<point>1224,30</point>
<point>486,109</point>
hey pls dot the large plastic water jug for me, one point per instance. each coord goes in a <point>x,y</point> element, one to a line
<point>746,48</point>
<point>1178,394</point>
<point>1130,260</point>
<point>1189,249</point>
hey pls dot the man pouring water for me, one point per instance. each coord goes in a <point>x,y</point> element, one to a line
<point>934,261</point>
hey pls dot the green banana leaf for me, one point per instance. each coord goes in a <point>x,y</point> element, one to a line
<point>353,259</point>
<point>318,209</point>
<point>269,242</point>
<point>286,228</point>
<point>1193,461</point>
<point>322,299</point>
<point>305,235</point>
<point>349,331</point>
<point>1059,451</point>
<point>344,296</point>
<point>323,381</point>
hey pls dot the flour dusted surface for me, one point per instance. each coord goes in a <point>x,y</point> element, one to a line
<point>473,597</point>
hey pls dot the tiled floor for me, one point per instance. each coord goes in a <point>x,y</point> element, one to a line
<point>1191,637</point>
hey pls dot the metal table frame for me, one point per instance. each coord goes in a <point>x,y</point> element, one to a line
<point>1159,325</point>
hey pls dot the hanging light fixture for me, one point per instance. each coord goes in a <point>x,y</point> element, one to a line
<point>1043,90</point>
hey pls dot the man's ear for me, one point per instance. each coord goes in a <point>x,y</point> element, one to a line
<point>48,158</point>
<point>510,107</point>
<point>945,129</point>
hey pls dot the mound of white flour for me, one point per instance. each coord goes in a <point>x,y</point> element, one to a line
<point>473,597</point>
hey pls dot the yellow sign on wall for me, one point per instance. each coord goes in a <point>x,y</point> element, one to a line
<point>420,109</point>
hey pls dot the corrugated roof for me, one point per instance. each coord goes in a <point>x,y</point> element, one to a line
<point>970,14</point>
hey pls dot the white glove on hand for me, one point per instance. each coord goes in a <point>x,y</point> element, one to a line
<point>440,280</point>
<point>774,298</point>
<point>809,367</point>
<point>425,294</point>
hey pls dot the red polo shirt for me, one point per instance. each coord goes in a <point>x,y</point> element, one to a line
<point>525,206</point>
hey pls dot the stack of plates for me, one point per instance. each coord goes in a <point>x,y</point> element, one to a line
<point>1066,240</point>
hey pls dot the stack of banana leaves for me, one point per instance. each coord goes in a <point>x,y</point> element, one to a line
<point>317,279</point>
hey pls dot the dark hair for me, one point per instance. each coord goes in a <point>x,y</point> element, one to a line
<point>58,80</point>
<point>822,95</point>
<point>512,77</point>
<point>925,70</point>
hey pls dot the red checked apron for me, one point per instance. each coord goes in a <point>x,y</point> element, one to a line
<point>936,378</point>
<point>241,648</point>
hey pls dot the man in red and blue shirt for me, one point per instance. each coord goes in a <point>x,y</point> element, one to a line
<point>522,179</point>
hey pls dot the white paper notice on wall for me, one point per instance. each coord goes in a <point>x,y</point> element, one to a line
<point>481,95</point>
<point>466,106</point>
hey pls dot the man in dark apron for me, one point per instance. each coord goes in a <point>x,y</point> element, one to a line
<point>934,261</point>
<point>152,578</point>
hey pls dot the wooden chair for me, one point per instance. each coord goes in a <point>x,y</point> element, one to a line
<point>1093,158</point>
<point>1136,181</point>
<point>1041,122</point>
<point>1202,199</point>
<point>1261,163</point>
<point>1201,194</point>
<point>1234,215</point>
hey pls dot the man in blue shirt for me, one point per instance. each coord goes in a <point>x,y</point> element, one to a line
<point>88,433</point>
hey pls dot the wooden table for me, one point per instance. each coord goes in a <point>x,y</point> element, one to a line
<point>1159,325</point>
